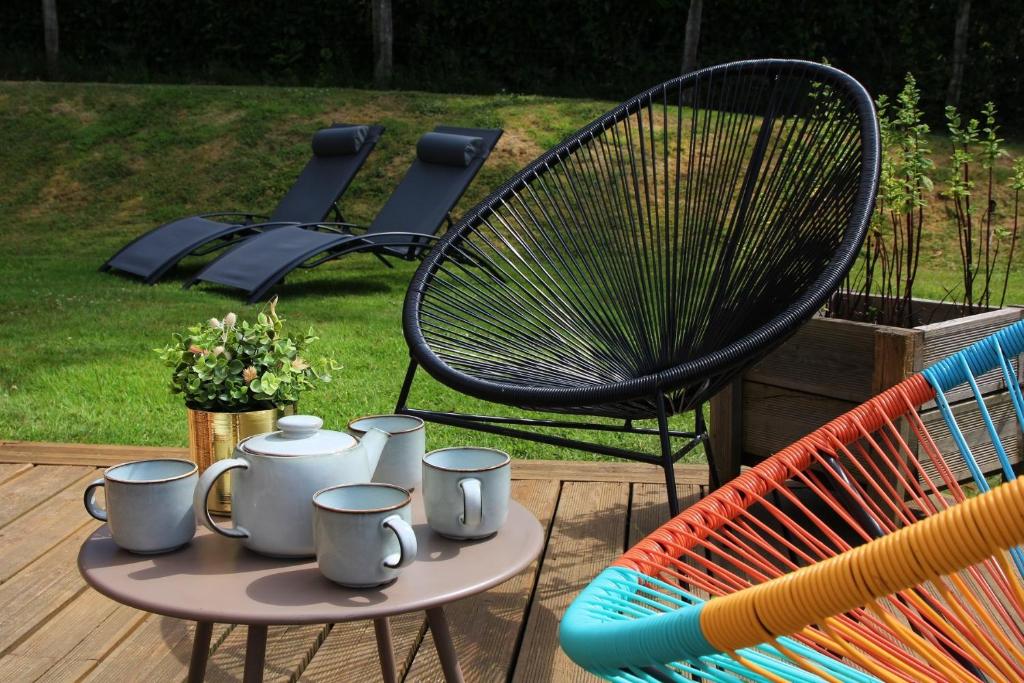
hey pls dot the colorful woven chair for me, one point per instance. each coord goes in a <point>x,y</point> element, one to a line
<point>859,553</point>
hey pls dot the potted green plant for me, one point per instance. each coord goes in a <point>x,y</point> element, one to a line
<point>237,377</point>
<point>875,332</point>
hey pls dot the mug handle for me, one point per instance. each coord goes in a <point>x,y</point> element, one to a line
<point>406,542</point>
<point>472,511</point>
<point>206,481</point>
<point>90,501</point>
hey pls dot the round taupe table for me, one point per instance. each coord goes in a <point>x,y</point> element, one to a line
<point>215,580</point>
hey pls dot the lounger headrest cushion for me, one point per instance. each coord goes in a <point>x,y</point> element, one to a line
<point>332,142</point>
<point>448,149</point>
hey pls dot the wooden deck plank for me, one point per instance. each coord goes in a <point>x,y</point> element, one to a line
<point>568,470</point>
<point>289,649</point>
<point>158,650</point>
<point>589,532</point>
<point>23,493</point>
<point>10,470</point>
<point>649,507</point>
<point>72,642</point>
<point>42,588</point>
<point>92,455</point>
<point>43,527</point>
<point>349,653</point>
<point>486,627</point>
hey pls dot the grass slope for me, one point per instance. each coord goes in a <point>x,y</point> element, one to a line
<point>87,167</point>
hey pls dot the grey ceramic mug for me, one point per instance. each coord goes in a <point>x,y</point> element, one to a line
<point>400,460</point>
<point>149,504</point>
<point>363,533</point>
<point>466,491</point>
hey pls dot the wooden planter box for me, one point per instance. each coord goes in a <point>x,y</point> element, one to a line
<point>830,366</point>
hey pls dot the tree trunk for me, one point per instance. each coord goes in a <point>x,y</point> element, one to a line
<point>383,39</point>
<point>956,76</point>
<point>51,38</point>
<point>692,36</point>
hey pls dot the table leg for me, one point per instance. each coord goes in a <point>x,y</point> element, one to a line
<point>443,642</point>
<point>200,652</point>
<point>385,650</point>
<point>255,653</point>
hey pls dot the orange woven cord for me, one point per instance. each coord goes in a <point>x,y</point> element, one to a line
<point>646,556</point>
<point>811,594</point>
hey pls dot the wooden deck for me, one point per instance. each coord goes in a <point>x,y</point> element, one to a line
<point>54,628</point>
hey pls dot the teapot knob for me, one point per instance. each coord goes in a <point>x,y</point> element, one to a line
<point>299,426</point>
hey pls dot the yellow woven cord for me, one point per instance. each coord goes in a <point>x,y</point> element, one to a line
<point>833,627</point>
<point>968,533</point>
<point>939,622</point>
<point>1011,577</point>
<point>841,643</point>
<point>979,636</point>
<point>759,670</point>
<point>935,657</point>
<point>805,664</point>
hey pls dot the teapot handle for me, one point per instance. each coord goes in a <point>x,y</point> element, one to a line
<point>206,482</point>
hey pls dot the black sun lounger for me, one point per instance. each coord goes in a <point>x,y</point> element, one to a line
<point>446,162</point>
<point>338,154</point>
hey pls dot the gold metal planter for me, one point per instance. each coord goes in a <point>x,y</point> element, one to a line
<point>213,437</point>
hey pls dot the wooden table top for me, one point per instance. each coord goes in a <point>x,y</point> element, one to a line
<point>215,579</point>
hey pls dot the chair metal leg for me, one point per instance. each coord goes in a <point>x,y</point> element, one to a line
<point>445,648</point>
<point>255,653</point>
<point>403,395</point>
<point>200,651</point>
<point>714,472</point>
<point>667,462</point>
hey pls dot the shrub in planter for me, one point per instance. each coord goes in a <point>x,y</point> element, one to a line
<point>237,377</point>
<point>875,332</point>
<point>231,366</point>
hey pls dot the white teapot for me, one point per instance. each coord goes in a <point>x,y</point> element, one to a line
<point>276,475</point>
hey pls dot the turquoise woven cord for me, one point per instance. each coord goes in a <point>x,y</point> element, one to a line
<point>626,626</point>
<point>993,352</point>
<point>980,357</point>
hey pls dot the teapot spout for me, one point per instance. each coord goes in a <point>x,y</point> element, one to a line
<point>373,443</point>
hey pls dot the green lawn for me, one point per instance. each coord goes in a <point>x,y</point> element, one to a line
<point>86,167</point>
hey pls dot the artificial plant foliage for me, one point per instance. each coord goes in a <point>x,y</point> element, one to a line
<point>230,365</point>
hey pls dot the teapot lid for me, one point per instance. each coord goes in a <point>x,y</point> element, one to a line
<point>299,435</point>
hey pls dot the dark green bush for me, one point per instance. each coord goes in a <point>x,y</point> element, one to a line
<point>593,48</point>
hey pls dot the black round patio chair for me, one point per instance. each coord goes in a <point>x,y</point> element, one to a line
<point>635,269</point>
